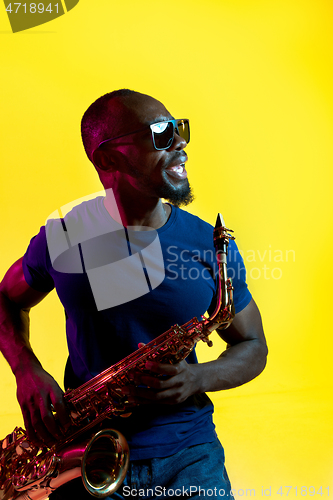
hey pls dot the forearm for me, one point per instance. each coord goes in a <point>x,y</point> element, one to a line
<point>14,335</point>
<point>38,393</point>
<point>35,387</point>
<point>236,366</point>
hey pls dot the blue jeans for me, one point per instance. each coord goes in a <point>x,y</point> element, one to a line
<point>197,471</point>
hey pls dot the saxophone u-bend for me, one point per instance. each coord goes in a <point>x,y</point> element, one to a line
<point>28,472</point>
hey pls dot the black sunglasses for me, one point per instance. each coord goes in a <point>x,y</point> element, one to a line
<point>162,133</point>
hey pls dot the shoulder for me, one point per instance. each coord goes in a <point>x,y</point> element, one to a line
<point>85,212</point>
<point>192,222</point>
<point>81,222</point>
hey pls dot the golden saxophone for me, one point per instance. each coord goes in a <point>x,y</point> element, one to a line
<point>28,472</point>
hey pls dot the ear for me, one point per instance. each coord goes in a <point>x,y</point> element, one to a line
<point>103,160</point>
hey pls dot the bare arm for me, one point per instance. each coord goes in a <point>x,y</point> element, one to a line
<point>36,389</point>
<point>244,359</point>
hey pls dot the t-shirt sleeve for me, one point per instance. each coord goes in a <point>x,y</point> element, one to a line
<point>36,264</point>
<point>237,272</point>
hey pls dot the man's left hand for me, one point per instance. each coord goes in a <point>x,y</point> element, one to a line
<point>167,384</point>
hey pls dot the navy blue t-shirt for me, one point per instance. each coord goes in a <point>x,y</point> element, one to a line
<point>120,287</point>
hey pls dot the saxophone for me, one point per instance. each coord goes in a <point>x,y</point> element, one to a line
<point>101,459</point>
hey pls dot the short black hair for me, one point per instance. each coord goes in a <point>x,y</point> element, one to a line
<point>97,124</point>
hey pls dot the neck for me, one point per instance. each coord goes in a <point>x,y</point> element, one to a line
<point>144,212</point>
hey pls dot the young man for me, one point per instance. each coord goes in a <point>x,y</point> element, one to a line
<point>138,150</point>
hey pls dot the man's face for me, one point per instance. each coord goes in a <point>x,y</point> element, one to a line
<point>158,174</point>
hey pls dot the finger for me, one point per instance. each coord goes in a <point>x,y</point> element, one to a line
<point>31,433</point>
<point>61,411</point>
<point>49,422</point>
<point>157,383</point>
<point>163,369</point>
<point>40,428</point>
<point>132,375</point>
<point>144,395</point>
<point>159,372</point>
<point>127,398</point>
<point>141,396</point>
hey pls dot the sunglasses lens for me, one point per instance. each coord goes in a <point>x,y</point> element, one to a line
<point>162,134</point>
<point>183,129</point>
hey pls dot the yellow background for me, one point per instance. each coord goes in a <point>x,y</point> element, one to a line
<point>255,79</point>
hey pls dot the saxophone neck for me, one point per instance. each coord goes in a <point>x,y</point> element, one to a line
<point>224,311</point>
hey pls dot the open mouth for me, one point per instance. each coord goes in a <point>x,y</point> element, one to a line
<point>177,171</point>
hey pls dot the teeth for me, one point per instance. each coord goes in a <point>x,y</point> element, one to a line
<point>179,169</point>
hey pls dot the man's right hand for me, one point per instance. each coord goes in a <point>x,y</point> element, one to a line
<point>39,395</point>
<point>42,404</point>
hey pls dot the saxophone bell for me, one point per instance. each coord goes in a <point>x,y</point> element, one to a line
<point>101,461</point>
<point>105,463</point>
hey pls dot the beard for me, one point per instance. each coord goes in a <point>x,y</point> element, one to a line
<point>178,197</point>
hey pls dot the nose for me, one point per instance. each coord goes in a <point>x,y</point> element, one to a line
<point>178,143</point>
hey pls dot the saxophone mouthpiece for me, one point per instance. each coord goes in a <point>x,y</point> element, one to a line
<point>220,221</point>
